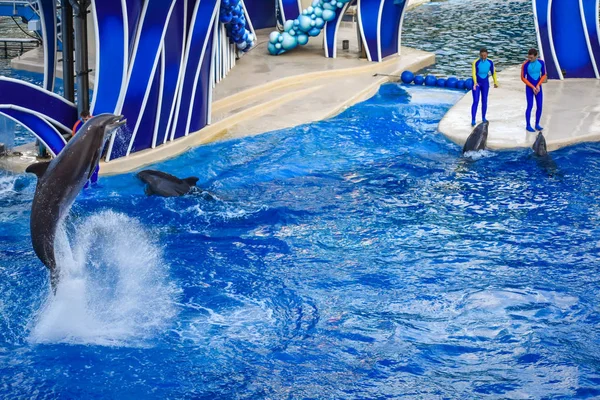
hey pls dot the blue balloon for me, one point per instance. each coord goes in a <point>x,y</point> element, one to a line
<point>469,84</point>
<point>272,49</point>
<point>430,80</point>
<point>407,77</point>
<point>314,32</point>
<point>302,39</point>
<point>460,84</point>
<point>452,82</point>
<point>225,18</point>
<point>419,80</point>
<point>305,21</point>
<point>289,41</point>
<point>441,82</point>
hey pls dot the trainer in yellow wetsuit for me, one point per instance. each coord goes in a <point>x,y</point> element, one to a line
<point>483,67</point>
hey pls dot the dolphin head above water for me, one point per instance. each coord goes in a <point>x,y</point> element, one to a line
<point>61,180</point>
<point>478,138</point>
<point>539,146</point>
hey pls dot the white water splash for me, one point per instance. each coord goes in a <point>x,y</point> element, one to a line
<point>113,288</point>
<point>479,154</point>
<point>7,185</point>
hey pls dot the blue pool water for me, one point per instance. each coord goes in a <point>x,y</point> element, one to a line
<point>359,257</point>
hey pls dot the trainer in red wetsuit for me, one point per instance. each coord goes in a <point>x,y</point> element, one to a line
<point>533,74</point>
<point>85,117</point>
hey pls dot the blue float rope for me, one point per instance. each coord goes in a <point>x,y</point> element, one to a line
<point>431,80</point>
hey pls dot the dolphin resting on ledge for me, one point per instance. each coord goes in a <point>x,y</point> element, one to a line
<point>61,180</point>
<point>478,138</point>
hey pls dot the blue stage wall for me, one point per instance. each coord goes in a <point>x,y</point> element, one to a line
<point>158,60</point>
<point>568,37</point>
<point>262,13</point>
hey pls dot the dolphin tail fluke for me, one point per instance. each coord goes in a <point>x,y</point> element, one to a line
<point>39,169</point>
<point>192,180</point>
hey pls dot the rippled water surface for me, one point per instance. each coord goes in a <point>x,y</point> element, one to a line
<point>455,30</point>
<point>359,257</point>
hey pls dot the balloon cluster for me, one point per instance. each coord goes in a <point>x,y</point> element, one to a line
<point>430,80</point>
<point>232,15</point>
<point>310,23</point>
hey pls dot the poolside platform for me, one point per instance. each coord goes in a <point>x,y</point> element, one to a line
<point>571,114</point>
<point>265,93</point>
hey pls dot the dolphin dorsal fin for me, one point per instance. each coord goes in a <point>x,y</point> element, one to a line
<point>192,180</point>
<point>39,169</point>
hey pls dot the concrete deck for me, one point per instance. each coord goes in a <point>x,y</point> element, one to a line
<point>571,114</point>
<point>265,93</point>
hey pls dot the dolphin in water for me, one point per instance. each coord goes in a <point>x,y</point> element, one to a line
<point>61,180</point>
<point>478,138</point>
<point>166,185</point>
<point>539,146</point>
<point>542,156</point>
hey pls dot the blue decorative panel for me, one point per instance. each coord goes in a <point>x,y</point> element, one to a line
<point>200,104</point>
<point>134,11</point>
<point>368,16</point>
<point>49,105</point>
<point>568,37</point>
<point>153,23</point>
<point>330,33</point>
<point>154,64</point>
<point>112,49</point>
<point>145,132</point>
<point>262,13</point>
<point>41,128</point>
<point>189,13</point>
<point>542,12</point>
<point>200,31</point>
<point>569,40</point>
<point>290,9</point>
<point>391,16</point>
<point>172,59</point>
<point>48,18</point>
<point>590,9</point>
<point>380,22</point>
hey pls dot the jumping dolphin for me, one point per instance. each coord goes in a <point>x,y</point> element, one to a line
<point>61,180</point>
<point>166,185</point>
<point>478,138</point>
<point>539,147</point>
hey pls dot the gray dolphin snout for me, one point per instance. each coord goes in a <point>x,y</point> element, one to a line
<point>117,121</point>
